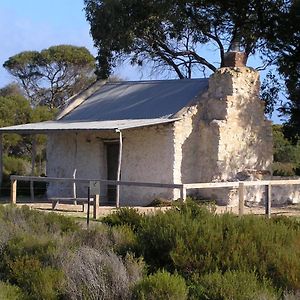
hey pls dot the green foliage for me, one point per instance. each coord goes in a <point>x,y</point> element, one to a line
<point>270,89</point>
<point>10,292</point>
<point>237,285</point>
<point>35,280</point>
<point>124,216</point>
<point>124,239</point>
<point>53,75</point>
<point>284,42</point>
<point>49,256</point>
<point>28,236</point>
<point>171,33</point>
<point>36,222</point>
<point>192,240</point>
<point>160,286</point>
<point>30,245</point>
<point>12,89</point>
<point>15,110</point>
<point>203,255</point>
<point>286,154</point>
<point>15,165</point>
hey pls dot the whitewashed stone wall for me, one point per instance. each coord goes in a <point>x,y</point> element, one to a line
<point>69,151</point>
<point>147,156</point>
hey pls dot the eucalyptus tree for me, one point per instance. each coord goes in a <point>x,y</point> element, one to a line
<point>51,76</point>
<point>172,34</point>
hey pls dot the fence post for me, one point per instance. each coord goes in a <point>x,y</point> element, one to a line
<point>183,193</point>
<point>268,200</point>
<point>13,191</point>
<point>88,209</point>
<point>74,187</point>
<point>33,156</point>
<point>96,206</point>
<point>241,198</point>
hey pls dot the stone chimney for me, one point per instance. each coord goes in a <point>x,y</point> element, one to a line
<point>234,57</point>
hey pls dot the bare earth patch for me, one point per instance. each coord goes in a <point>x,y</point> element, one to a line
<point>76,210</point>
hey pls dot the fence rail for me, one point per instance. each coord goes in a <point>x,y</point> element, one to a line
<point>240,185</point>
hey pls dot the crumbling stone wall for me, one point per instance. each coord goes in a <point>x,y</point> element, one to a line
<point>229,135</point>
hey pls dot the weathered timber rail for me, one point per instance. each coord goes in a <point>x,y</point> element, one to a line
<point>240,185</point>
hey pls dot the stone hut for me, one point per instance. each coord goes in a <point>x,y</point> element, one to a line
<point>168,131</point>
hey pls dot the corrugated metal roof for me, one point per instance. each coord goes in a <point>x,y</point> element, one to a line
<point>54,126</point>
<point>138,100</point>
<point>124,105</point>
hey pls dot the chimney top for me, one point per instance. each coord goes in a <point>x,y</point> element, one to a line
<point>235,47</point>
<point>234,58</point>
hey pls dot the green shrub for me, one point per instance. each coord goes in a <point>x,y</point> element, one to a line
<point>286,153</point>
<point>124,239</point>
<point>15,165</point>
<point>160,286</point>
<point>36,222</point>
<point>98,237</point>
<point>194,240</point>
<point>237,285</point>
<point>124,216</point>
<point>284,169</point>
<point>36,281</point>
<point>31,243</point>
<point>158,235</point>
<point>10,292</point>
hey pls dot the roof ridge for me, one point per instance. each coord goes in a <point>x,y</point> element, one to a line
<point>156,80</point>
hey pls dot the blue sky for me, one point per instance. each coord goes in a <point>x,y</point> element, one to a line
<point>39,24</point>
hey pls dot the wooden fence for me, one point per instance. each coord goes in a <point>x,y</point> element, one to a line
<point>240,185</point>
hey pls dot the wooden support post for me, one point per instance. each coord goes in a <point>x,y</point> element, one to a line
<point>119,168</point>
<point>74,187</point>
<point>183,193</point>
<point>268,200</point>
<point>13,191</point>
<point>96,206</point>
<point>1,162</point>
<point>88,209</point>
<point>33,155</point>
<point>241,198</point>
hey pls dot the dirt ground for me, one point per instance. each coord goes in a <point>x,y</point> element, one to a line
<point>77,210</point>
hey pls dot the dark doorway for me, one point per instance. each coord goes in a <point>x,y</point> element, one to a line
<point>112,158</point>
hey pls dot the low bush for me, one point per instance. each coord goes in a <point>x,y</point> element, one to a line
<point>124,216</point>
<point>36,281</point>
<point>50,257</point>
<point>192,239</point>
<point>284,169</point>
<point>92,274</point>
<point>30,245</point>
<point>32,221</point>
<point>10,292</point>
<point>160,286</point>
<point>237,285</point>
<point>123,239</point>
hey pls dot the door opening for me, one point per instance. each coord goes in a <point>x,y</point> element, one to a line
<point>112,159</point>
